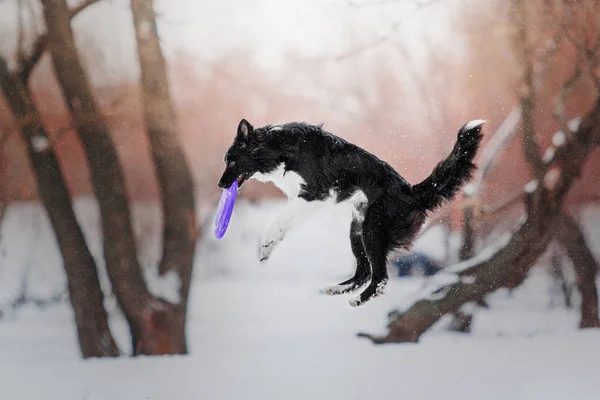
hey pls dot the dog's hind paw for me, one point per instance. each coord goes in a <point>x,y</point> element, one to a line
<point>355,302</point>
<point>372,291</point>
<point>337,289</point>
<point>380,291</point>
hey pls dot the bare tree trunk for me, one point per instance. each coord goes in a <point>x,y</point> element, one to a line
<point>559,275</point>
<point>172,171</point>
<point>572,240</point>
<point>467,248</point>
<point>461,321</point>
<point>156,327</point>
<point>527,89</point>
<point>95,339</point>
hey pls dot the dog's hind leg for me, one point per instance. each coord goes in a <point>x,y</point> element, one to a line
<point>295,212</point>
<point>376,241</point>
<point>363,268</point>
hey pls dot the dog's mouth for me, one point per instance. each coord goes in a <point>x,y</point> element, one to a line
<point>242,178</point>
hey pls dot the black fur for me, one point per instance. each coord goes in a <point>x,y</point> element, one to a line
<point>395,210</point>
<point>450,174</point>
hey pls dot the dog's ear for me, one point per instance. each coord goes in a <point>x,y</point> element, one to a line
<point>244,129</point>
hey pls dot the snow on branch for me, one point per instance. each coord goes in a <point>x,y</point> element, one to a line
<point>531,186</point>
<point>560,139</point>
<point>166,286</point>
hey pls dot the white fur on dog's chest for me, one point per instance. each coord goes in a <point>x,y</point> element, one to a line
<point>289,182</point>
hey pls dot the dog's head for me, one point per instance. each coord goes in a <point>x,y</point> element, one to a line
<point>248,155</point>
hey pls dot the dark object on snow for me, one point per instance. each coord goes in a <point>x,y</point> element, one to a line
<point>416,264</point>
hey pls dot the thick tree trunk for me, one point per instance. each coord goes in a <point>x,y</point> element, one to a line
<point>510,263</point>
<point>560,278</point>
<point>571,238</point>
<point>156,327</point>
<point>467,248</point>
<point>95,339</point>
<point>172,171</point>
<point>461,321</point>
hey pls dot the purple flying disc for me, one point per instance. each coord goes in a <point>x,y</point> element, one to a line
<point>225,209</point>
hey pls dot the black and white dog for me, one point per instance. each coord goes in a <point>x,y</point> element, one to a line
<point>312,167</point>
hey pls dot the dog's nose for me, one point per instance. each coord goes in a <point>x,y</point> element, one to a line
<point>222,184</point>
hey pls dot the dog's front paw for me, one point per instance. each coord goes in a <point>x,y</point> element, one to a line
<point>271,238</point>
<point>265,251</point>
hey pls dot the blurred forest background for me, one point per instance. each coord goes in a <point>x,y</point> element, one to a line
<point>396,78</point>
<point>135,102</point>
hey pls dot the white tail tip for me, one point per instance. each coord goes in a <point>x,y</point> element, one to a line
<point>474,124</point>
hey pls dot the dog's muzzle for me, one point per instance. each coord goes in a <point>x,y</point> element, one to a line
<point>227,180</point>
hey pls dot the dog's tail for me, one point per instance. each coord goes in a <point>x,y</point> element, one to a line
<point>450,174</point>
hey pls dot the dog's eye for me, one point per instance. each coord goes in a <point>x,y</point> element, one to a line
<point>231,163</point>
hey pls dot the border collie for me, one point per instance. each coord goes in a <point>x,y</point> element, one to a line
<point>312,167</point>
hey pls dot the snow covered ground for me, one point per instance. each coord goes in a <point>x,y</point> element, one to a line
<point>267,332</point>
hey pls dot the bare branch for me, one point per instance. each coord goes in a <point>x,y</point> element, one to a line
<point>570,154</point>
<point>490,211</point>
<point>369,45</point>
<point>565,90</point>
<point>541,66</point>
<point>593,60</point>
<point>586,37</point>
<point>82,6</point>
<point>527,90</point>
<point>21,32</point>
<point>388,36</point>
<point>27,64</point>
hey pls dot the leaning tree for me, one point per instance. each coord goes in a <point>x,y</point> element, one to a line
<point>554,171</point>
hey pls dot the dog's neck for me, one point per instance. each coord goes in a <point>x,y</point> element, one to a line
<point>289,182</point>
